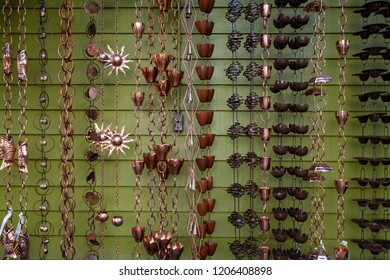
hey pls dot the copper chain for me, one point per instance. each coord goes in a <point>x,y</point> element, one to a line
<point>66,128</point>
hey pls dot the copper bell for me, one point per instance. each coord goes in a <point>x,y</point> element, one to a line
<point>175,249</point>
<point>264,252</point>
<point>138,233</point>
<point>117,221</point>
<point>174,77</point>
<point>342,117</point>
<point>210,204</point>
<point>204,26</point>
<point>264,193</point>
<point>265,10</point>
<point>202,251</point>
<point>138,29</point>
<point>265,163</point>
<point>202,185</point>
<point>341,185</point>
<point>266,72</point>
<point>175,165</point>
<point>163,86</point>
<point>212,247</point>
<point>161,60</point>
<point>206,6</point>
<point>150,74</point>
<point>138,167</point>
<point>161,151</point>
<point>265,41</point>
<point>202,118</point>
<point>205,50</point>
<point>264,223</point>
<point>342,46</point>
<point>150,245</point>
<point>201,207</point>
<point>201,231</point>
<point>163,237</point>
<point>150,160</point>
<point>210,226</point>
<point>265,134</point>
<point>265,102</point>
<point>138,98</point>
<point>210,182</point>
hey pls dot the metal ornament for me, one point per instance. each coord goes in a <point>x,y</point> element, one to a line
<point>116,60</point>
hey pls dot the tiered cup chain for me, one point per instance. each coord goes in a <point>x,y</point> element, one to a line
<point>138,97</point>
<point>205,204</point>
<point>265,159</point>
<point>44,228</point>
<point>91,196</point>
<point>236,129</point>
<point>342,46</point>
<point>66,166</point>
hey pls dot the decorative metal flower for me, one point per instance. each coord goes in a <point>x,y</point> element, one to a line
<point>112,140</point>
<point>116,60</point>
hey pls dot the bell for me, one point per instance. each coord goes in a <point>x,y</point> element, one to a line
<point>201,231</point>
<point>265,102</point>
<point>202,185</point>
<point>150,245</point>
<point>163,237</point>
<point>264,193</point>
<point>264,223</point>
<point>264,252</point>
<point>174,77</point>
<point>188,10</point>
<point>138,98</point>
<point>266,72</point>
<point>206,6</point>
<point>138,167</point>
<point>265,10</point>
<point>265,134</point>
<point>161,61</point>
<point>204,26</point>
<point>189,52</point>
<point>341,185</point>
<point>265,41</point>
<point>138,233</point>
<point>212,247</point>
<point>117,221</point>
<point>163,86</point>
<point>210,204</point>
<point>342,117</point>
<point>150,160</point>
<point>175,165</point>
<point>138,29</point>
<point>265,163</point>
<point>175,249</point>
<point>161,151</point>
<point>150,74</point>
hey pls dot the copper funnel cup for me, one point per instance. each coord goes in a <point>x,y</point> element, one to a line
<point>341,253</point>
<point>211,138</point>
<point>204,27</point>
<point>138,233</point>
<point>264,252</point>
<point>202,209</point>
<point>163,237</point>
<point>161,151</point>
<point>210,182</point>
<point>265,102</point>
<point>164,5</point>
<point>175,165</point>
<point>341,185</point>
<point>264,193</point>
<point>264,223</point>
<point>175,249</point>
<point>210,225</point>
<point>210,161</point>
<point>266,72</point>
<point>163,86</point>
<point>202,251</point>
<point>138,167</point>
<point>205,50</point>
<point>138,98</point>
<point>342,47</point>
<point>202,185</point>
<point>203,141</point>
<point>138,29</point>
<point>201,231</point>
<point>202,163</point>
<point>174,77</point>
<point>150,160</point>
<point>205,72</point>
<point>205,95</point>
<point>265,134</point>
<point>265,10</point>
<point>150,74</point>
<point>161,60</point>
<point>210,116</point>
<point>342,117</point>
<point>210,204</point>
<point>212,247</point>
<point>265,41</point>
<point>206,6</point>
<point>202,118</point>
<point>265,163</point>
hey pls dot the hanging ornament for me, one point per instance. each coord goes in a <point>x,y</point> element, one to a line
<point>116,60</point>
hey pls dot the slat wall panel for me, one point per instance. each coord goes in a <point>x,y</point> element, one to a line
<point>222,147</point>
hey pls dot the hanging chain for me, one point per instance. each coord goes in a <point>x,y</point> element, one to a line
<point>66,166</point>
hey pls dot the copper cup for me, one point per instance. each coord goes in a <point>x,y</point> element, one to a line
<point>265,10</point>
<point>138,233</point>
<point>162,237</point>
<point>210,116</point>
<point>342,47</point>
<point>264,193</point>
<point>265,102</point>
<point>341,185</point>
<point>202,163</point>
<point>211,138</point>
<point>212,247</point>
<point>138,167</point>
<point>210,182</point>
<point>175,165</point>
<point>150,245</point>
<point>175,249</point>
<point>161,151</point>
<point>210,204</point>
<point>210,161</point>
<point>202,118</point>
<point>264,252</point>
<point>265,134</point>
<point>201,207</point>
<point>341,253</point>
<point>342,117</point>
<point>138,98</point>
<point>164,5</point>
<point>205,94</point>
<point>205,50</point>
<point>206,6</point>
<point>174,77</point>
<point>205,72</point>
<point>203,141</point>
<point>202,251</point>
<point>264,223</point>
<point>266,72</point>
<point>265,41</point>
<point>138,29</point>
<point>163,87</point>
<point>204,27</point>
<point>265,163</point>
<point>201,231</point>
<point>202,185</point>
<point>210,225</point>
<point>161,60</point>
<point>150,160</point>
<point>150,74</point>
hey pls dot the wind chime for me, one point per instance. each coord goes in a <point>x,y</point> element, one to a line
<point>341,184</point>
<point>91,196</point>
<point>43,187</point>
<point>317,133</point>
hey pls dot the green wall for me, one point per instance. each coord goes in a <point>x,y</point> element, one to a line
<point>224,232</point>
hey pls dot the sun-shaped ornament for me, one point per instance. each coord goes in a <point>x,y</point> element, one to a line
<point>116,60</point>
<point>112,140</point>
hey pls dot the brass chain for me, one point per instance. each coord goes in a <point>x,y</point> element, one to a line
<point>66,129</point>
